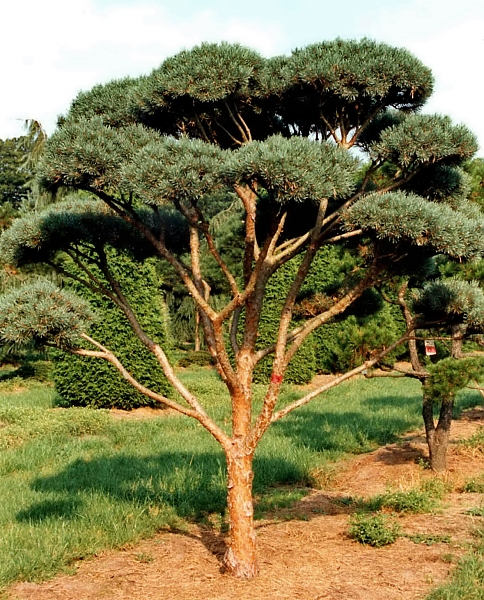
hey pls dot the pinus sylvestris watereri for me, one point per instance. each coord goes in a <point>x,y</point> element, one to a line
<point>273,137</point>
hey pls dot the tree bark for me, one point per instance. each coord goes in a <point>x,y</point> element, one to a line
<point>457,342</point>
<point>437,436</point>
<point>197,330</point>
<point>240,558</point>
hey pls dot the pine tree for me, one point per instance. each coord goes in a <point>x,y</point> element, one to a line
<point>220,120</point>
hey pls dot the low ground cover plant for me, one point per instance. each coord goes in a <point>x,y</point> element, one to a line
<point>375,530</point>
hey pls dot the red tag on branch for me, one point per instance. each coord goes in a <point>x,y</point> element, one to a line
<point>276,379</point>
<point>430,348</point>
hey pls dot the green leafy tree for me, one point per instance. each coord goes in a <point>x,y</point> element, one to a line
<point>220,120</point>
<point>13,179</point>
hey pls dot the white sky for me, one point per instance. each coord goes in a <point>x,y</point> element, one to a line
<point>51,49</point>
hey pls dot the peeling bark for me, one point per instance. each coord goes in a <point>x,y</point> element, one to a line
<point>240,558</point>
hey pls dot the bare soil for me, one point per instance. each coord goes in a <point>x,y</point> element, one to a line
<point>305,552</point>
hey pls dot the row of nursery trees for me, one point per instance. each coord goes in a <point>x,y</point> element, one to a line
<point>308,182</point>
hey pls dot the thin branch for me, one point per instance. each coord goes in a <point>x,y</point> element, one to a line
<point>342,129</point>
<point>336,213</point>
<point>202,128</point>
<point>397,373</point>
<point>133,219</point>
<point>291,248</point>
<point>337,309</point>
<point>277,235</point>
<point>249,134</point>
<point>98,286</point>
<point>196,412</point>
<point>292,241</point>
<point>237,124</point>
<point>344,236</point>
<point>342,207</point>
<point>234,139</point>
<point>398,183</point>
<point>306,399</point>
<point>362,127</point>
<point>373,374</point>
<point>80,280</point>
<point>331,130</point>
<point>404,371</point>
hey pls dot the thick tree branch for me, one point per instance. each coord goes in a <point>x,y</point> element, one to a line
<point>198,221</point>
<point>251,251</point>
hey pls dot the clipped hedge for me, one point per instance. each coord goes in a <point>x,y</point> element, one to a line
<point>84,381</point>
<point>303,366</point>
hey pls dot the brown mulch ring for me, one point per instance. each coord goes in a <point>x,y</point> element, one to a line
<point>304,551</point>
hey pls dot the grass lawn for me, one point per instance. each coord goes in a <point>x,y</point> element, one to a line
<point>76,481</point>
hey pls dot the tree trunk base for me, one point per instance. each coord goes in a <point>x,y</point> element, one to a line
<point>240,559</point>
<point>438,452</point>
<point>236,568</point>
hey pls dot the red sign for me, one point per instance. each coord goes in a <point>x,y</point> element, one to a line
<point>430,348</point>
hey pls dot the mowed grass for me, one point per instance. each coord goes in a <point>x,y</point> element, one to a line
<point>76,481</point>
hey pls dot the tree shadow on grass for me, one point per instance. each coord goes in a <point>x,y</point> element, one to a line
<point>181,484</point>
<point>60,508</point>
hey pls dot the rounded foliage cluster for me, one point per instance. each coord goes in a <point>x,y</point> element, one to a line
<point>39,312</point>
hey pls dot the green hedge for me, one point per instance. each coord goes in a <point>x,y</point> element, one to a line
<point>341,345</point>
<point>84,381</point>
<point>302,367</point>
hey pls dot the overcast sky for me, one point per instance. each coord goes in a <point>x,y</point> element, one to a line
<point>52,49</point>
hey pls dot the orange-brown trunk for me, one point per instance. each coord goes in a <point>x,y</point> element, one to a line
<point>240,559</point>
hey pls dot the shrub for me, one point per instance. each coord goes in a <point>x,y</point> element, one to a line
<point>84,381</point>
<point>374,530</point>
<point>200,358</point>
